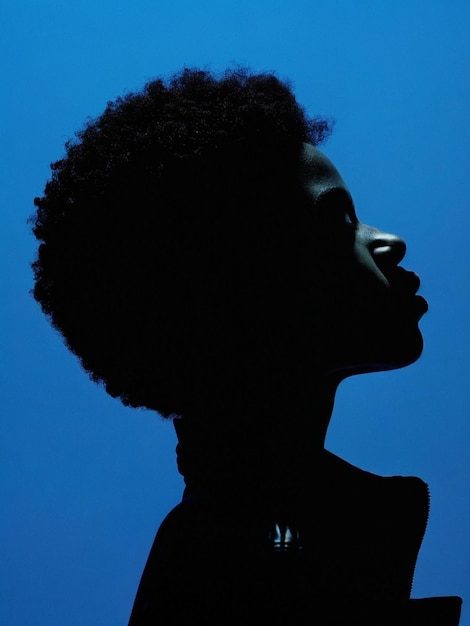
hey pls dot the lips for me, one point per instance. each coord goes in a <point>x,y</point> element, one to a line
<point>405,285</point>
<point>405,281</point>
<point>421,305</point>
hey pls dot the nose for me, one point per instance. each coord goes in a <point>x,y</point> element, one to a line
<point>387,249</point>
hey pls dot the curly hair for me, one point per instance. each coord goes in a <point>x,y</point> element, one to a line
<point>167,234</point>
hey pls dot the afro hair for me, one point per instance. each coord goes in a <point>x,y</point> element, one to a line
<point>167,234</point>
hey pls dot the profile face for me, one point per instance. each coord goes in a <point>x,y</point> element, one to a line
<point>366,303</point>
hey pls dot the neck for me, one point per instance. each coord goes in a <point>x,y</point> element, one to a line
<point>277,450</point>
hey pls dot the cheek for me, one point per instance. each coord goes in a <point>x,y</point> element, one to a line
<point>356,285</point>
<point>342,284</point>
<point>366,268</point>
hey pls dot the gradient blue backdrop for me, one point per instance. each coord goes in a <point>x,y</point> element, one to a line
<point>84,481</point>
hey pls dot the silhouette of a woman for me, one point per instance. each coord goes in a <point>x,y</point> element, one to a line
<point>204,259</point>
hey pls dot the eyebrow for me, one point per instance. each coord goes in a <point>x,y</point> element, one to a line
<point>335,192</point>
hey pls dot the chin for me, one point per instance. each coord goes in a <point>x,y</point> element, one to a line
<point>399,356</point>
<point>406,347</point>
<point>396,351</point>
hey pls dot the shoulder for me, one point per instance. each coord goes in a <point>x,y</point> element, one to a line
<point>359,479</point>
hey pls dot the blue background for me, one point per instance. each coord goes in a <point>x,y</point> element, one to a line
<point>84,481</point>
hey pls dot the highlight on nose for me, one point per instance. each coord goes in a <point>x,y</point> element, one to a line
<point>388,248</point>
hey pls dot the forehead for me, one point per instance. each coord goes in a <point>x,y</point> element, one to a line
<point>318,172</point>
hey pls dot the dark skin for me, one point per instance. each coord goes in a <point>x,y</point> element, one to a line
<point>365,316</point>
<point>374,300</point>
<point>365,311</point>
<point>369,303</point>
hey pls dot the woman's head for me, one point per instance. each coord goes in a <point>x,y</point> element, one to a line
<point>194,255</point>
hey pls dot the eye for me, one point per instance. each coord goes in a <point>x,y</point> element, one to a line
<point>335,221</point>
<point>335,207</point>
